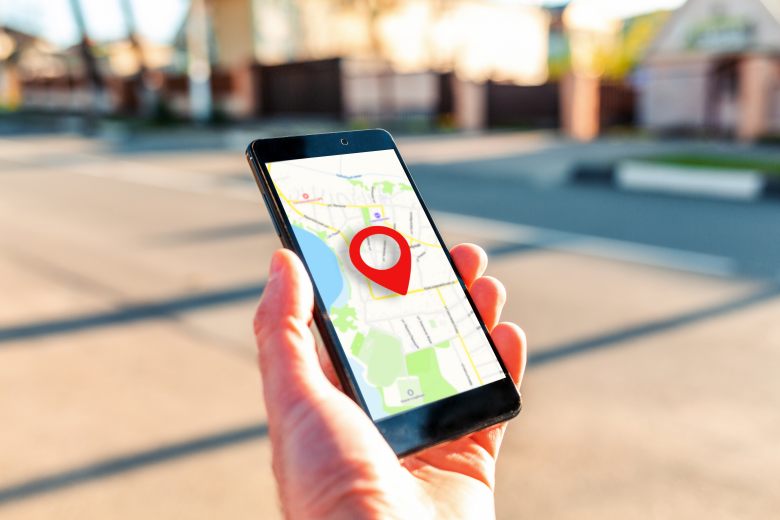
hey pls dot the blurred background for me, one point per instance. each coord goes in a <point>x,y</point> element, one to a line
<point>618,160</point>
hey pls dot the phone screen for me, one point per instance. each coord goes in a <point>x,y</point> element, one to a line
<point>406,350</point>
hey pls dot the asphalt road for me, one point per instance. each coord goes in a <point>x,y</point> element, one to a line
<point>128,385</point>
<point>745,233</point>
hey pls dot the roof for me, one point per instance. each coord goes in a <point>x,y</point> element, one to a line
<point>719,27</point>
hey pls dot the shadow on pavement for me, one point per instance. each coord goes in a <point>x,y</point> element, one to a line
<point>133,313</point>
<point>125,463</point>
<point>612,339</point>
<point>121,464</point>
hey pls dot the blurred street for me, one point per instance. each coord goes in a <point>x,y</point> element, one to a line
<point>129,276</point>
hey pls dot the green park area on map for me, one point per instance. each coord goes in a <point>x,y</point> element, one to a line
<point>418,375</point>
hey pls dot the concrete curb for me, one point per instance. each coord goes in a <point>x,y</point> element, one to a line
<point>711,183</point>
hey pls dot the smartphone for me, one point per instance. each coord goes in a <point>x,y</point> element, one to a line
<point>404,336</point>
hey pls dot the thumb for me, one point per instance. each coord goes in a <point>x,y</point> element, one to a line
<point>290,369</point>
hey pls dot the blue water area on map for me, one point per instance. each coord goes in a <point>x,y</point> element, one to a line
<point>324,267</point>
<point>370,394</point>
<point>323,264</point>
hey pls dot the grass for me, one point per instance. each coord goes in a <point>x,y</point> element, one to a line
<point>720,162</point>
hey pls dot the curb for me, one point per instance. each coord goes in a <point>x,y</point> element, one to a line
<point>710,183</point>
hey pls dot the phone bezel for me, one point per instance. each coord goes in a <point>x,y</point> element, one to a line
<point>426,425</point>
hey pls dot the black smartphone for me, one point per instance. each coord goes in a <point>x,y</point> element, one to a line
<point>404,336</point>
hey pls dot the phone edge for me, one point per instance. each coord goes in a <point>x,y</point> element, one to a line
<point>344,379</point>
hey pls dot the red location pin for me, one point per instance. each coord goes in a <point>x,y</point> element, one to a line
<point>395,278</point>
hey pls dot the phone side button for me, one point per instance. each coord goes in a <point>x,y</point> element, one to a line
<point>271,214</point>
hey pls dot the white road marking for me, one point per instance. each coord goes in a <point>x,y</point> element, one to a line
<point>143,173</point>
<point>589,245</point>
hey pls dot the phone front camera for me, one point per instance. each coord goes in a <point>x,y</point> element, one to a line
<point>344,141</point>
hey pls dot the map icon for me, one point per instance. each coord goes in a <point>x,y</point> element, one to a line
<point>395,278</point>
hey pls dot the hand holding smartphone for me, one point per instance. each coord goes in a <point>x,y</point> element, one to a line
<point>402,332</point>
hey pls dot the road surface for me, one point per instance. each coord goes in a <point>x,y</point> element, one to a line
<point>128,385</point>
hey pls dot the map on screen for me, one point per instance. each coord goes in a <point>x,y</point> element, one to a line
<point>404,350</point>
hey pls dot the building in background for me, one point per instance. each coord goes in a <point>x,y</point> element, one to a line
<point>467,64</point>
<point>605,44</point>
<point>12,45</point>
<point>715,67</point>
<point>417,60</point>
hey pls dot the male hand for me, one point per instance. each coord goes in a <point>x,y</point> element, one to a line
<point>329,459</point>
